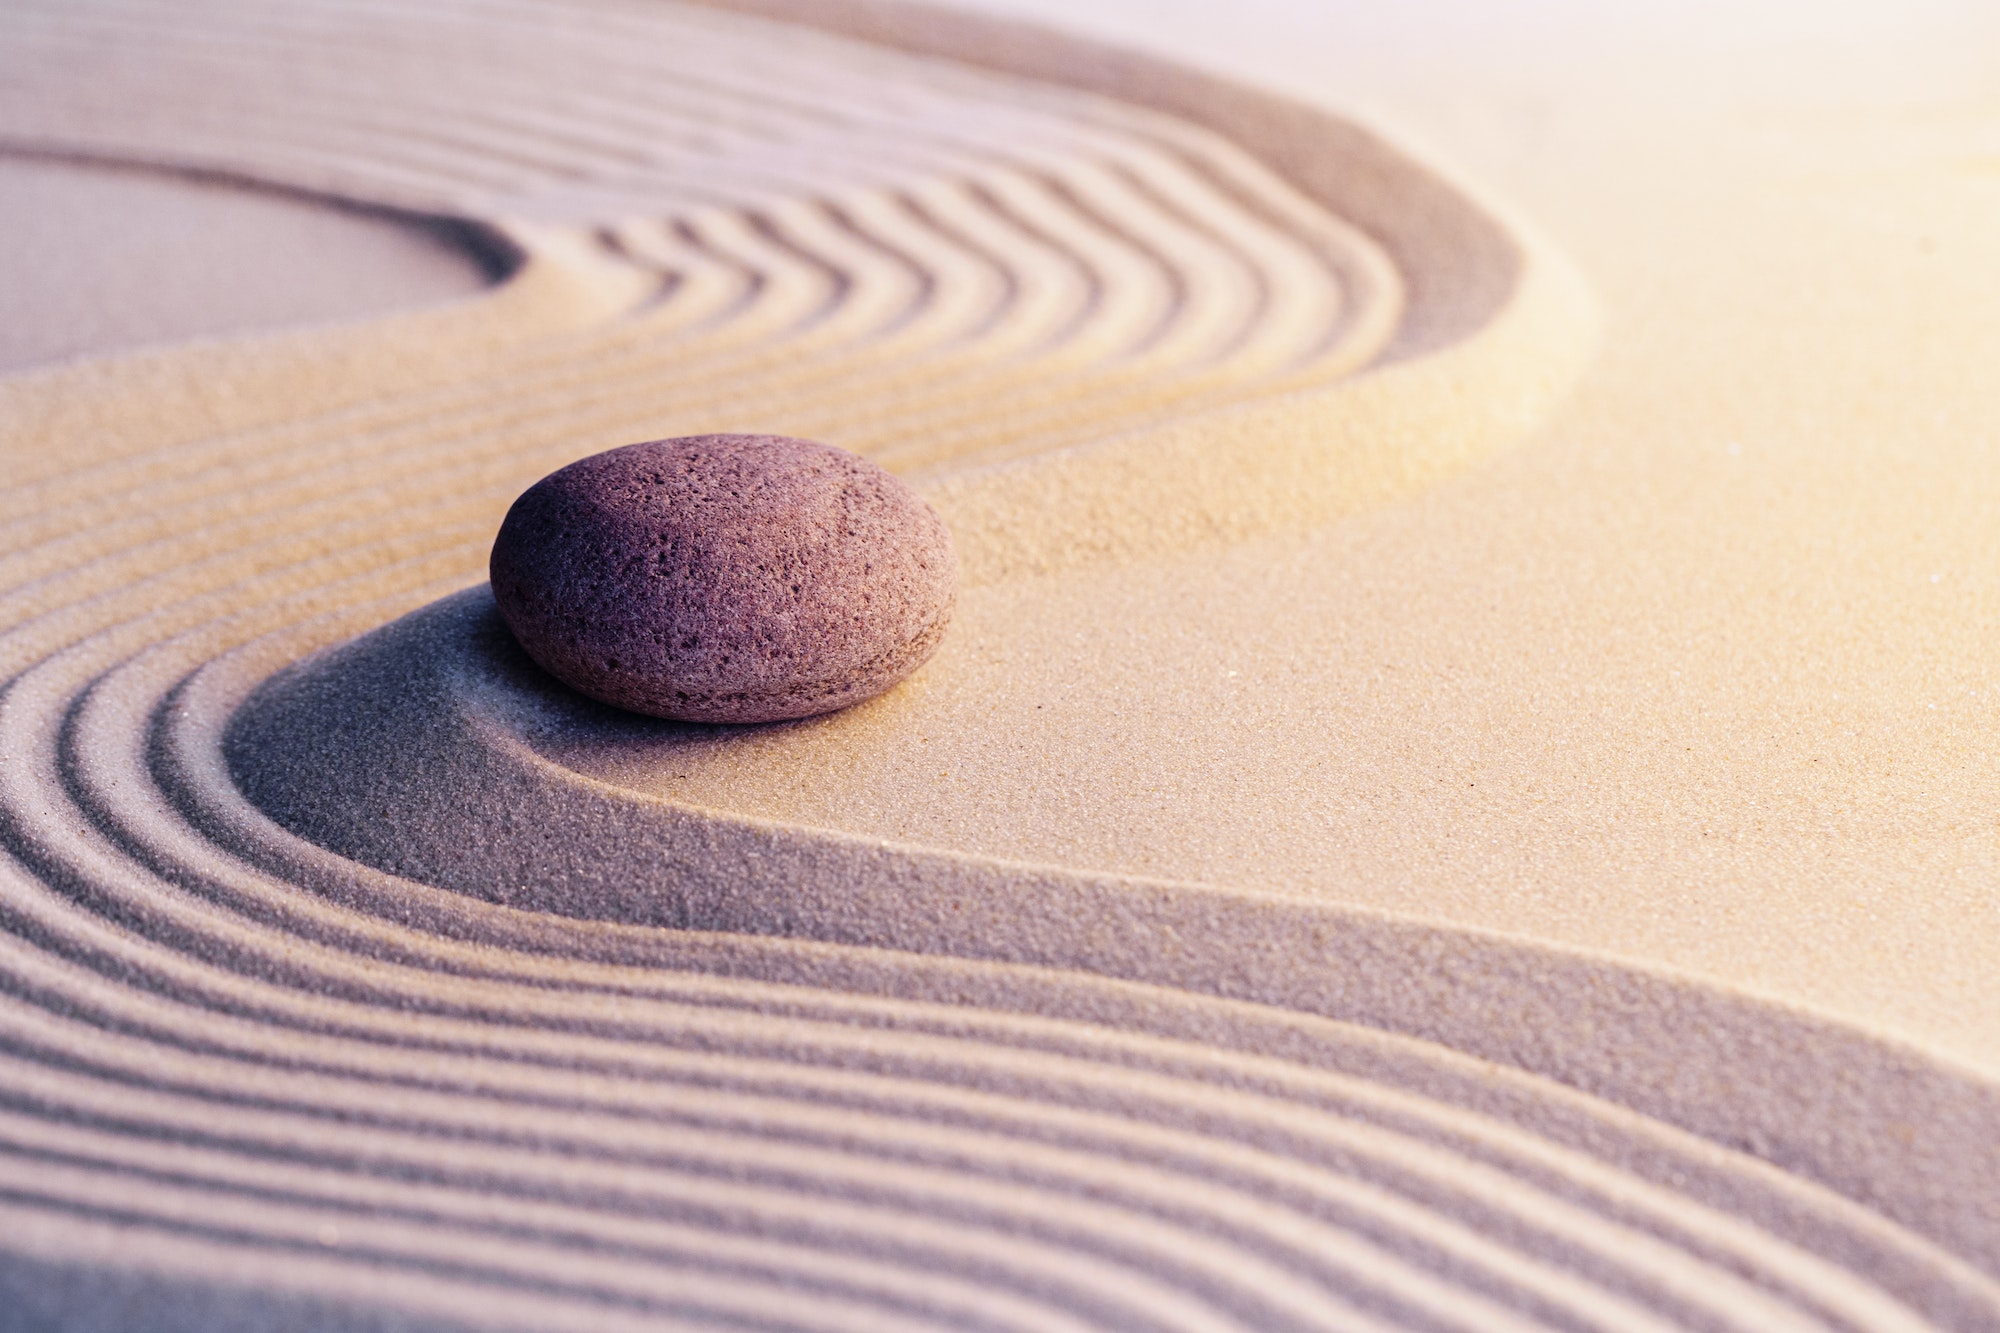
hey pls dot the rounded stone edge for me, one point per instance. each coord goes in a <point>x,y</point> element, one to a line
<point>812,699</point>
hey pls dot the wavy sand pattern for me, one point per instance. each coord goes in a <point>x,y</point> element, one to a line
<point>342,991</point>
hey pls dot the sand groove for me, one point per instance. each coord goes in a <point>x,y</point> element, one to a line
<point>301,1014</point>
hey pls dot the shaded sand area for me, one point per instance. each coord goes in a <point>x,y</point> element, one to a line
<point>1458,795</point>
<point>101,256</point>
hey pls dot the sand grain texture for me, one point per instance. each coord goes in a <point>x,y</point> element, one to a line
<point>1115,972</point>
<point>108,256</point>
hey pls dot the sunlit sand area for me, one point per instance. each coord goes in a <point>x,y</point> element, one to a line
<point>1460,790</point>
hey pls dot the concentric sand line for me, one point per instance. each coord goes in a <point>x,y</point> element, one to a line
<point>306,1019</point>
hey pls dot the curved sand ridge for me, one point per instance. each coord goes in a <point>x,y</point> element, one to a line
<point>939,268</point>
<point>778,1077</point>
<point>228,1045</point>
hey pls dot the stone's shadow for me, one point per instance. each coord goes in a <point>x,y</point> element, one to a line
<point>431,749</point>
<point>565,716</point>
<point>560,722</point>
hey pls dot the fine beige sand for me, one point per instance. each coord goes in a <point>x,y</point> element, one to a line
<point>1458,795</point>
<point>107,256</point>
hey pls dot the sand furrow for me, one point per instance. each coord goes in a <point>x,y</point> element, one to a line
<point>127,731</point>
<point>856,376</point>
<point>955,1146</point>
<point>339,967</point>
<point>235,950</point>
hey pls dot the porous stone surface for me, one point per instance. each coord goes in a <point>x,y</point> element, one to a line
<point>725,578</point>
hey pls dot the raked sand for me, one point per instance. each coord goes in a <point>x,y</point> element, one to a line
<point>1459,793</point>
<point>108,256</point>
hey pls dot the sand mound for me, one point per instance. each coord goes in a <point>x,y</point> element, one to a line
<point>348,985</point>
